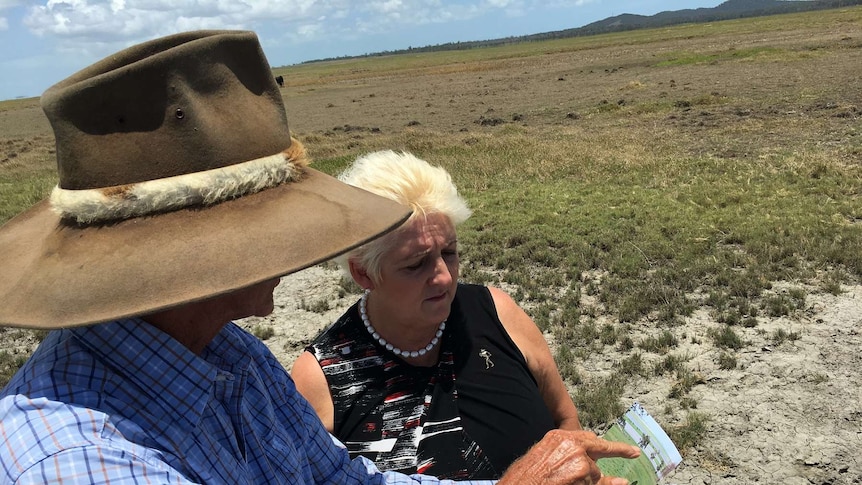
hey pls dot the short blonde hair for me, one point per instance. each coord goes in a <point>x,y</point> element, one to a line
<point>406,179</point>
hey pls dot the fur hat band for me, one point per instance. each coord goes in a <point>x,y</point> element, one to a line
<point>204,188</point>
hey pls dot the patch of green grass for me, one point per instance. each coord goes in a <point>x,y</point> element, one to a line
<point>659,235</point>
<point>542,315</point>
<point>20,191</point>
<point>751,53</point>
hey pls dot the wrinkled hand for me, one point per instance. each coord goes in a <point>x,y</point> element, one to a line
<point>567,457</point>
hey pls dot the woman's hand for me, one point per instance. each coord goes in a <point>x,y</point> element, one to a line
<point>567,457</point>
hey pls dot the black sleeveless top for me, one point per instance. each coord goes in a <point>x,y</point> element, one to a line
<point>468,417</point>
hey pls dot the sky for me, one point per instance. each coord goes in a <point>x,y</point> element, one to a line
<point>43,42</point>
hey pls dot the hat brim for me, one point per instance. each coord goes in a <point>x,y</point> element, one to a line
<point>57,274</point>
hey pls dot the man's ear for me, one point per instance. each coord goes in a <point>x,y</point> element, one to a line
<point>360,275</point>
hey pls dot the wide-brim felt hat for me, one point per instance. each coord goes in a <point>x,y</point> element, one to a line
<point>178,181</point>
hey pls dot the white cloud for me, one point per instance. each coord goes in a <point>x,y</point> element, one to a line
<point>98,26</point>
<point>134,19</point>
<point>4,23</point>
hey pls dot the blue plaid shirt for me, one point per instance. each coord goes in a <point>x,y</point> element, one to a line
<point>123,402</point>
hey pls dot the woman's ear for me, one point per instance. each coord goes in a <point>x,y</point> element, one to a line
<point>360,275</point>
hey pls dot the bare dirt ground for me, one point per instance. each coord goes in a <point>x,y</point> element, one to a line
<point>787,414</point>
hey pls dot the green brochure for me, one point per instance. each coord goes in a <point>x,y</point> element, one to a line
<point>659,456</point>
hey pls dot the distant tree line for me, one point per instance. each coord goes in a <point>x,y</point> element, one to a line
<point>731,9</point>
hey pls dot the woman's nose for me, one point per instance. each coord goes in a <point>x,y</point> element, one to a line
<point>442,274</point>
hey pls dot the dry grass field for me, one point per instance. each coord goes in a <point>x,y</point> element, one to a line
<point>680,210</point>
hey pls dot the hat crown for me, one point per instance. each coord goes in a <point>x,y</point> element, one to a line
<point>177,105</point>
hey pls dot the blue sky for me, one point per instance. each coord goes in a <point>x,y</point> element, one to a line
<point>42,42</point>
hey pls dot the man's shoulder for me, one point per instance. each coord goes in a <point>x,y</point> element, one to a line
<point>45,438</point>
<point>46,426</point>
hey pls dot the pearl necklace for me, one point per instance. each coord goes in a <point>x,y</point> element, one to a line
<point>395,350</point>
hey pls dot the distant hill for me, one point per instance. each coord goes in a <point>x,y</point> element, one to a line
<point>731,9</point>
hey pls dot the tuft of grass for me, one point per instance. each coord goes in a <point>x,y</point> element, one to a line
<point>609,334</point>
<point>726,338</point>
<point>567,364</point>
<point>780,336</point>
<point>9,365</point>
<point>726,361</point>
<point>632,365</point>
<point>819,378</point>
<point>626,343</point>
<point>784,304</point>
<point>346,286</point>
<point>599,401</point>
<point>11,359</point>
<point>322,305</point>
<point>690,433</point>
<point>688,402</point>
<point>685,382</point>
<point>263,332</point>
<point>670,363</point>
<point>659,344</point>
<point>832,281</point>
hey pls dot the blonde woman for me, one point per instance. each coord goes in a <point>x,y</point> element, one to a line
<point>426,374</point>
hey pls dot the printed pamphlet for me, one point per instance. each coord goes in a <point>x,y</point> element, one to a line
<point>659,456</point>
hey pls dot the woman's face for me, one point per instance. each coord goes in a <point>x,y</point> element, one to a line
<point>419,276</point>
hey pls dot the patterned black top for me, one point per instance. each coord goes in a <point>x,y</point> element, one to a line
<point>468,417</point>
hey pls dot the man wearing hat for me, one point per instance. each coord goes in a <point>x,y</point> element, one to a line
<point>182,199</point>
